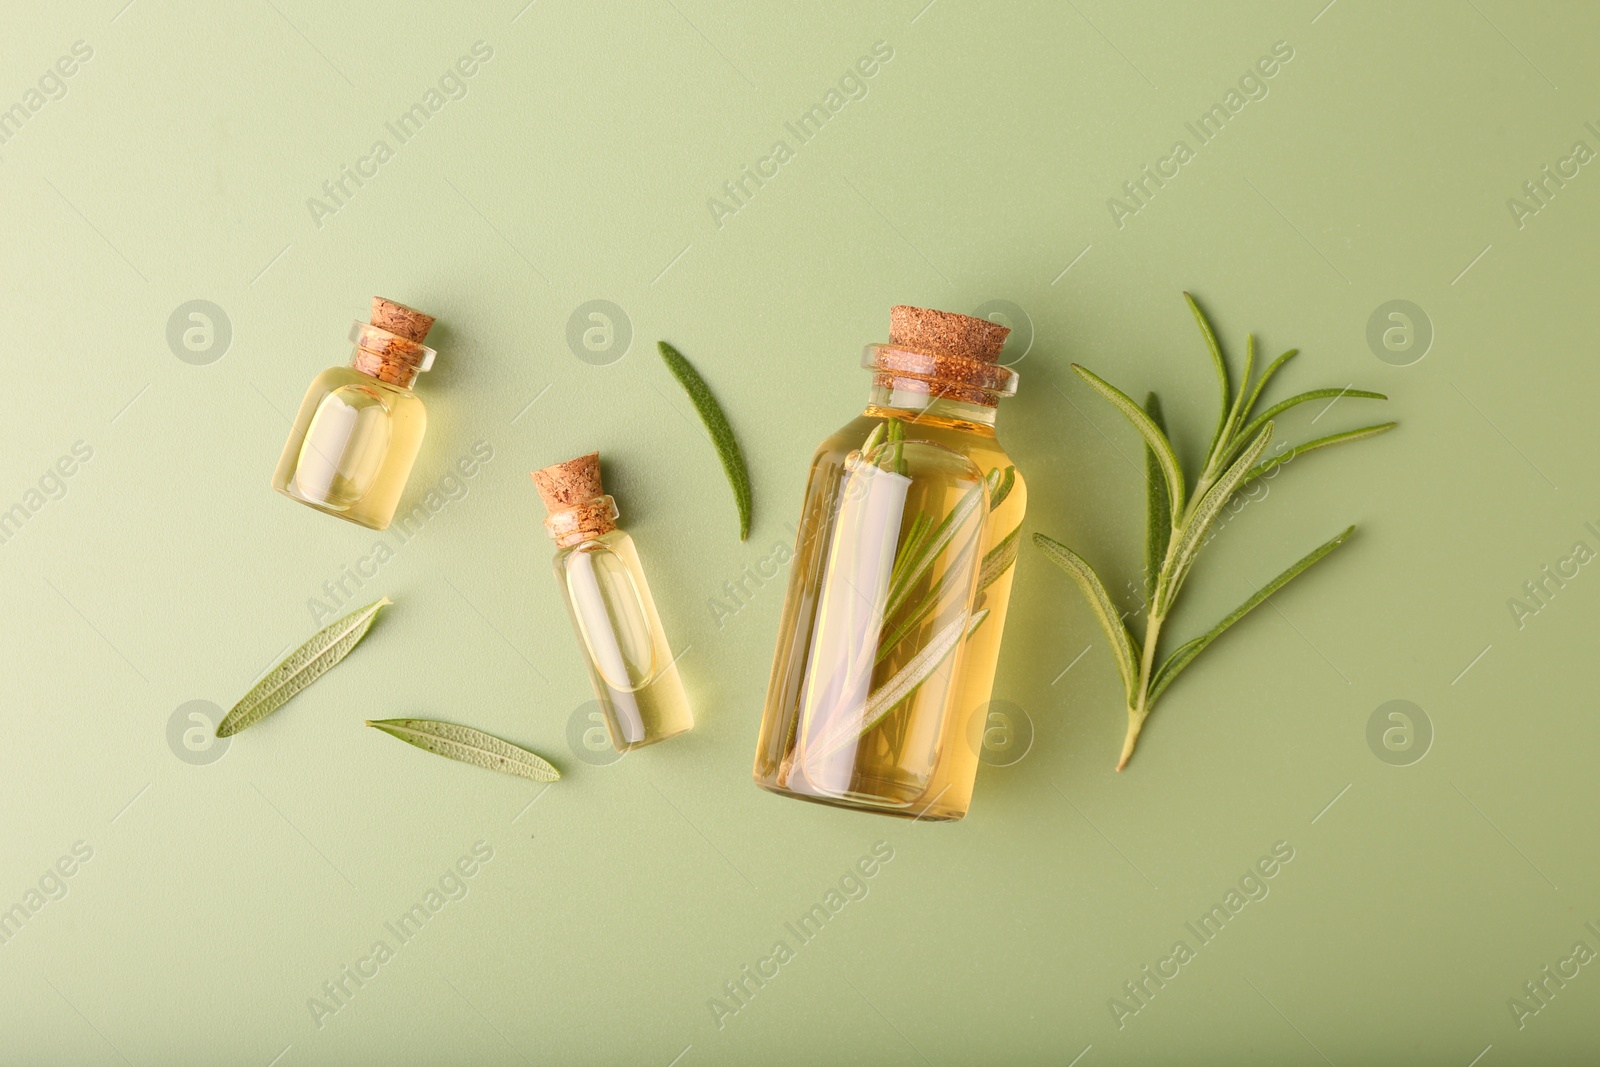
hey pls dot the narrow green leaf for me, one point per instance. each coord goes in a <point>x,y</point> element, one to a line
<point>953,574</point>
<point>1266,376</point>
<point>1312,446</point>
<point>998,559</point>
<point>1185,654</point>
<point>977,621</point>
<point>721,433</point>
<point>921,525</point>
<point>1008,480</point>
<point>1232,437</point>
<point>898,688</point>
<point>1123,648</point>
<point>935,543</point>
<point>1157,513</point>
<point>1279,408</point>
<point>874,439</point>
<point>1194,532</point>
<point>303,666</point>
<point>1221,366</point>
<point>469,746</point>
<point>897,438</point>
<point>1153,437</point>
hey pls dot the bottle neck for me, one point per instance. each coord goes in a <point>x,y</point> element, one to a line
<point>388,357</point>
<point>887,401</point>
<point>587,521</point>
<point>392,372</point>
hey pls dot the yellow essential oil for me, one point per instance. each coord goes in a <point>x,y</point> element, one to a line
<point>891,627</point>
<point>631,664</point>
<point>360,427</point>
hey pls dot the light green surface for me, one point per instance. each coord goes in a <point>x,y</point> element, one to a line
<point>220,897</point>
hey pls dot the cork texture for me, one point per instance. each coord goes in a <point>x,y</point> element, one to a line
<point>944,333</point>
<point>390,347</point>
<point>570,483</point>
<point>400,320</point>
<point>945,355</point>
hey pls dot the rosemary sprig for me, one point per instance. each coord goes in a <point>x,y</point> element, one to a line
<point>1177,516</point>
<point>467,745</point>
<point>721,433</point>
<point>921,545</point>
<point>300,668</point>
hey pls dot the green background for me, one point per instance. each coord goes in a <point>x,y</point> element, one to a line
<point>221,895</point>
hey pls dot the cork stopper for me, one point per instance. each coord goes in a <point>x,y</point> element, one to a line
<point>942,355</point>
<point>563,485</point>
<point>578,505</point>
<point>944,333</point>
<point>390,348</point>
<point>400,320</point>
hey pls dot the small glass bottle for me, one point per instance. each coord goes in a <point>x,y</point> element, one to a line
<point>359,427</point>
<point>634,672</point>
<point>898,589</point>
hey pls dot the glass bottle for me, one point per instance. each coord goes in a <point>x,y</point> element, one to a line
<point>359,427</point>
<point>898,589</point>
<point>631,665</point>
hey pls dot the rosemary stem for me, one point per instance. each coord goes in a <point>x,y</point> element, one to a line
<point>1139,706</point>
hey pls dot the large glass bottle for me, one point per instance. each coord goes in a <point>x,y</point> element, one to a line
<point>898,589</point>
<point>631,665</point>
<point>359,427</point>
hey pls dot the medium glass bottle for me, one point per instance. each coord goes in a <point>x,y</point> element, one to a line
<point>901,576</point>
<point>359,427</point>
<point>632,666</point>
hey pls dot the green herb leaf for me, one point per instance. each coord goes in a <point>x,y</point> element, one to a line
<point>1230,428</point>
<point>1157,510</point>
<point>1220,365</point>
<point>721,433</point>
<point>954,575</point>
<point>1321,442</point>
<point>1153,437</point>
<point>303,666</point>
<point>1279,408</point>
<point>898,689</point>
<point>1123,649</point>
<point>469,746</point>
<point>998,559</point>
<point>1007,481</point>
<point>977,621</point>
<point>1186,653</point>
<point>1194,530</point>
<point>917,564</point>
<point>1177,520</point>
<point>1266,376</point>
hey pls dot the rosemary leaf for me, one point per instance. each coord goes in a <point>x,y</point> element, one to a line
<point>977,621</point>
<point>1153,437</point>
<point>1008,481</point>
<point>954,573</point>
<point>1220,365</point>
<point>1157,509</point>
<point>469,746</point>
<point>1321,442</point>
<point>1186,653</point>
<point>1266,376</point>
<point>303,666</point>
<point>929,550</point>
<point>1181,558</point>
<point>997,559</point>
<point>1277,409</point>
<point>891,694</point>
<point>1122,645</point>
<point>721,433</point>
